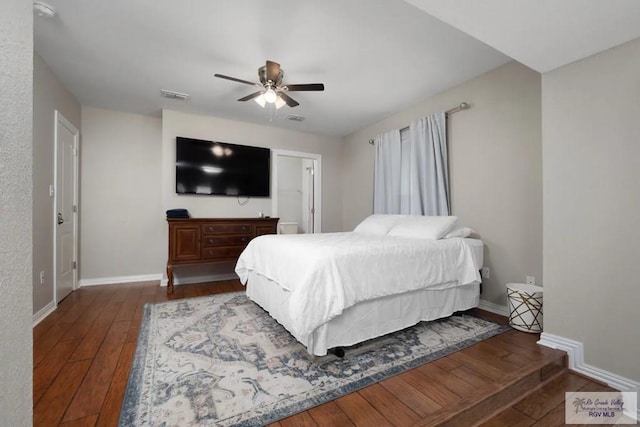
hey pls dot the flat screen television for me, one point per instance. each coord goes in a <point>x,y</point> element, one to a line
<point>223,169</point>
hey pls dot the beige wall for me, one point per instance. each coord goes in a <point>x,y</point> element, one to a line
<point>120,195</point>
<point>16,155</point>
<point>128,181</point>
<point>48,96</point>
<point>495,168</point>
<point>591,157</point>
<point>211,128</point>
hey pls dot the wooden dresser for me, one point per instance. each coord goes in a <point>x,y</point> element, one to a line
<point>210,240</point>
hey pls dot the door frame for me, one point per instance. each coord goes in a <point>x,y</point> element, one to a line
<point>61,120</point>
<point>317,183</point>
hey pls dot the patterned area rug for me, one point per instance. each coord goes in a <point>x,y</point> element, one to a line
<point>221,360</point>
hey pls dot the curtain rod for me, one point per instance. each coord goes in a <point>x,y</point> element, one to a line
<point>462,106</point>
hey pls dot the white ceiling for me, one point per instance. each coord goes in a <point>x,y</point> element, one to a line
<point>542,34</point>
<point>374,57</point>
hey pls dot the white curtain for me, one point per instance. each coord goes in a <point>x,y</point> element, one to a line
<point>429,171</point>
<point>411,172</point>
<point>386,179</point>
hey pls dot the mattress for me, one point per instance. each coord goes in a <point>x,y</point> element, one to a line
<point>477,247</point>
<point>369,317</point>
<point>330,272</point>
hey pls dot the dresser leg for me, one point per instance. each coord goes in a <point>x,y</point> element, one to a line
<point>170,279</point>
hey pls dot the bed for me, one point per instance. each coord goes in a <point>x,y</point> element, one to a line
<point>338,289</point>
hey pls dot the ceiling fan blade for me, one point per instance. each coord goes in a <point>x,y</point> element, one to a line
<point>273,71</point>
<point>305,87</point>
<point>251,96</point>
<point>289,100</point>
<point>233,79</point>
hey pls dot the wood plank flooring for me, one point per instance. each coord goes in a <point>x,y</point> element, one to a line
<point>83,352</point>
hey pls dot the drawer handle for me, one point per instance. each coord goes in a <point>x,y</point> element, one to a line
<point>210,228</point>
<point>244,239</point>
<point>245,228</point>
<point>210,240</point>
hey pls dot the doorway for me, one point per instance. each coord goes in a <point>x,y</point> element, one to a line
<point>296,191</point>
<point>66,208</point>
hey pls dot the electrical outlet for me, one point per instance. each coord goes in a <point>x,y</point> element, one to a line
<point>42,277</point>
<point>485,272</point>
<point>531,280</point>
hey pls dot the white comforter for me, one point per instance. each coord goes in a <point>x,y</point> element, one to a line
<point>329,272</point>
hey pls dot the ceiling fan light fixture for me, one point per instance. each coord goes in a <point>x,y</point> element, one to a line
<point>271,90</point>
<point>270,96</point>
<point>260,100</point>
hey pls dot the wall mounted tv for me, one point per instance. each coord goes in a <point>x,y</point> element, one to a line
<point>219,168</point>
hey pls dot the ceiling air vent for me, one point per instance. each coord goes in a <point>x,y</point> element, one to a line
<point>295,118</point>
<point>44,10</point>
<point>174,95</point>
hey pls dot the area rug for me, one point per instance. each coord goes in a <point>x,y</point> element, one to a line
<point>221,360</point>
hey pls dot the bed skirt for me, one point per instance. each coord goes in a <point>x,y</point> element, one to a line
<point>367,319</point>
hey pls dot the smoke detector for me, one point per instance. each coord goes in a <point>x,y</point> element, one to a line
<point>44,10</point>
<point>174,95</point>
<point>295,118</point>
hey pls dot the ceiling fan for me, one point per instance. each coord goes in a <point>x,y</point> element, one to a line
<point>272,91</point>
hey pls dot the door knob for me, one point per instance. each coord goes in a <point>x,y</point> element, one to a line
<point>60,220</point>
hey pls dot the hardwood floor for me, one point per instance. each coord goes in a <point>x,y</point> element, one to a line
<point>83,352</point>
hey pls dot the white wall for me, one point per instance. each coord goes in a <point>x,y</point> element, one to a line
<point>212,128</point>
<point>495,169</point>
<point>122,221</point>
<point>591,157</point>
<point>16,156</point>
<point>48,96</point>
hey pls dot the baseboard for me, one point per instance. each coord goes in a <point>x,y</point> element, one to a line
<point>200,279</point>
<point>494,308</point>
<point>575,352</point>
<point>119,279</point>
<point>44,312</point>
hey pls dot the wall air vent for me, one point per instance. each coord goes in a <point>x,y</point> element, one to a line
<point>174,95</point>
<point>295,118</point>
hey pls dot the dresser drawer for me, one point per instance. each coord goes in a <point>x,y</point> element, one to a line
<point>211,240</point>
<point>222,252</point>
<point>221,228</point>
<point>261,230</point>
<point>225,240</point>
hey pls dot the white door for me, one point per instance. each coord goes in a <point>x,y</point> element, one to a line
<point>296,189</point>
<point>66,146</point>
<point>290,194</point>
<point>308,195</point>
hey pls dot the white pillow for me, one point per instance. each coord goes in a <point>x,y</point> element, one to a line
<point>459,232</point>
<point>423,227</point>
<point>378,224</point>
